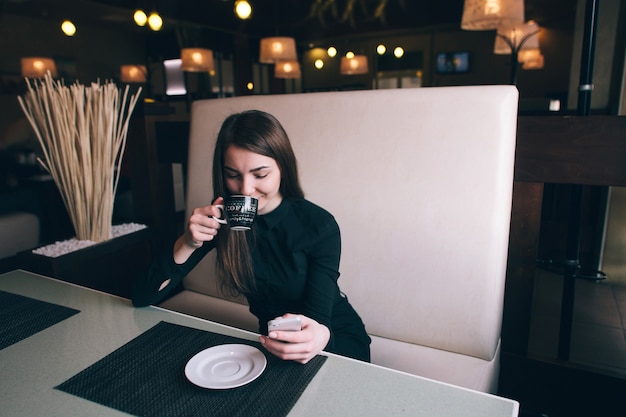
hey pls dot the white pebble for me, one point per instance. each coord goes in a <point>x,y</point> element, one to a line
<point>67,246</point>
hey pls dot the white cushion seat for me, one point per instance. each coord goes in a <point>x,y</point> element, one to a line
<point>420,182</point>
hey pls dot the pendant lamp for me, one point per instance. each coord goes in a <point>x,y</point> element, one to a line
<point>531,59</point>
<point>37,67</point>
<point>277,49</point>
<point>133,73</point>
<point>354,65</point>
<point>490,14</point>
<point>287,69</point>
<point>197,60</point>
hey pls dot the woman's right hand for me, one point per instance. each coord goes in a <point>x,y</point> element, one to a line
<point>201,227</point>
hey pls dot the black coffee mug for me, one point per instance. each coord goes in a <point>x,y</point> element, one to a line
<point>239,211</point>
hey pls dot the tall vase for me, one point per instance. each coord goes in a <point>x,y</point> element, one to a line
<point>82,132</point>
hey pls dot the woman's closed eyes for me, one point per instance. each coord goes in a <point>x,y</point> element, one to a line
<point>233,174</point>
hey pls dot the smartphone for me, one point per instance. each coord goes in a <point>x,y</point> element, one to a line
<point>291,324</point>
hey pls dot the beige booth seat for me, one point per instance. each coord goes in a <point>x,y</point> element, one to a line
<point>420,182</point>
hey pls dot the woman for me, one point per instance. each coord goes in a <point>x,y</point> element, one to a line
<point>286,265</point>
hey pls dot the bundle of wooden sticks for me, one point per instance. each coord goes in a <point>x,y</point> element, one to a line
<point>82,132</point>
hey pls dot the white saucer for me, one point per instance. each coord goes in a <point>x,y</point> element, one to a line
<point>225,366</point>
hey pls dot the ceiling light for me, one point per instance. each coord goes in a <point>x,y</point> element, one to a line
<point>398,52</point>
<point>331,51</point>
<point>243,10</point>
<point>68,28</point>
<point>319,64</point>
<point>140,17</point>
<point>155,22</point>
<point>349,54</point>
<point>381,49</point>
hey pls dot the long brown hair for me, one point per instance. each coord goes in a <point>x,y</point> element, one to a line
<point>261,133</point>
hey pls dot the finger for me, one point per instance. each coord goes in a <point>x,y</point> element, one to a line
<point>202,233</point>
<point>300,357</point>
<point>209,211</point>
<point>287,336</point>
<point>297,349</point>
<point>202,224</point>
<point>204,216</point>
<point>296,352</point>
<point>202,229</point>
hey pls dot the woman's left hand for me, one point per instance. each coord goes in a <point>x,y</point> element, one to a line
<point>299,346</point>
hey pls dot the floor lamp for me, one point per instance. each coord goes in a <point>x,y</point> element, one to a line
<point>515,39</point>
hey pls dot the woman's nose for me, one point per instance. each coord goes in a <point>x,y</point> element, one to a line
<point>247,186</point>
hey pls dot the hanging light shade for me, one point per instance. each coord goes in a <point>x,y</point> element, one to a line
<point>287,69</point>
<point>36,67</point>
<point>531,59</point>
<point>133,73</point>
<point>197,60</point>
<point>277,49</point>
<point>355,65</point>
<point>522,36</point>
<point>490,14</point>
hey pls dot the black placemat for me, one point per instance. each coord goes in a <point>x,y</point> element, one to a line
<point>21,317</point>
<point>146,377</point>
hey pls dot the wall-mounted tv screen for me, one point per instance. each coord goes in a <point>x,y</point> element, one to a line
<point>174,78</point>
<point>452,62</point>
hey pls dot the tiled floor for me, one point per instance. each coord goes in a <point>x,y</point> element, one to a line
<point>598,339</point>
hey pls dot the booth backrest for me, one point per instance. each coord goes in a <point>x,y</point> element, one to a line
<point>420,182</point>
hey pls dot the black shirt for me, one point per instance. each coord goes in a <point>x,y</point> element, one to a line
<point>295,251</point>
